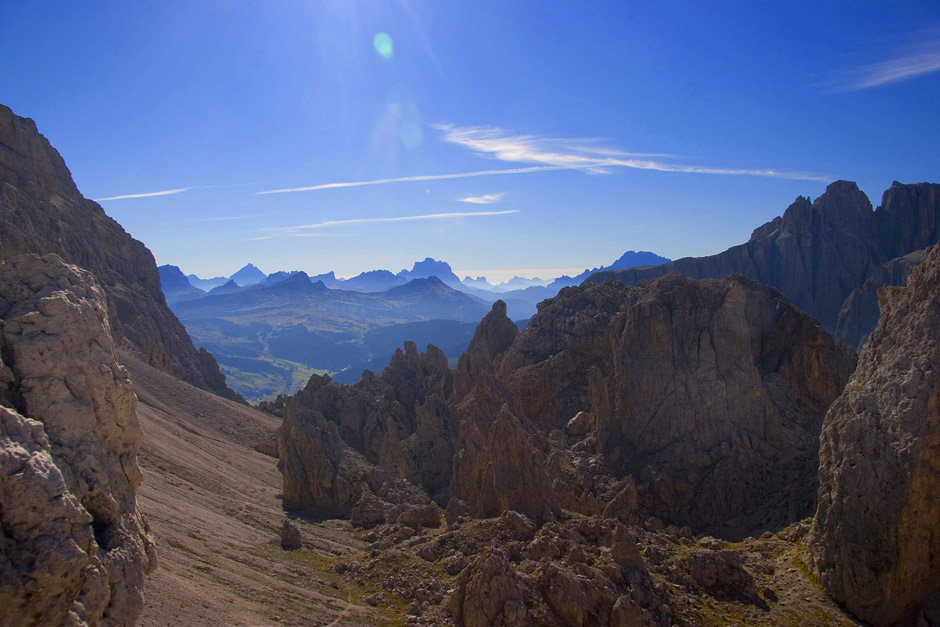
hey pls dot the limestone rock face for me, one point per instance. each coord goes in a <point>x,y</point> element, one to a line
<point>859,314</point>
<point>818,252</point>
<point>875,541</point>
<point>499,464</point>
<point>319,470</point>
<point>75,547</point>
<point>710,393</point>
<point>489,592</point>
<point>43,212</point>
<point>399,420</point>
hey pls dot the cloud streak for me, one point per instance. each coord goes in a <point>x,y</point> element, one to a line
<point>485,199</point>
<point>166,192</point>
<point>922,57</point>
<point>584,154</point>
<point>297,229</point>
<point>408,179</point>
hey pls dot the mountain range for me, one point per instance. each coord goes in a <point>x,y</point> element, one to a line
<point>267,334</point>
<point>678,451</point>
<point>819,252</point>
<point>350,325</point>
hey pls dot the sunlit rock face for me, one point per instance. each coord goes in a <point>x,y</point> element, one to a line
<point>875,541</point>
<point>75,548</point>
<point>42,212</point>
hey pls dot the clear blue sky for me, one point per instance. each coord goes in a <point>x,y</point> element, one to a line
<point>674,127</point>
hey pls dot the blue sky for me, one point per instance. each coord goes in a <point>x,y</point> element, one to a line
<point>504,137</point>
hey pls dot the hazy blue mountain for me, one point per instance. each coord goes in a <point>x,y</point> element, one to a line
<point>227,288</point>
<point>249,275</point>
<point>329,279</point>
<point>372,281</point>
<point>175,286</point>
<point>277,277</point>
<point>261,330</point>
<point>520,283</point>
<point>522,303</point>
<point>479,283</point>
<point>431,267</point>
<point>206,284</point>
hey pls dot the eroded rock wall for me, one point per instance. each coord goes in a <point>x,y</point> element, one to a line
<point>875,541</point>
<point>75,548</point>
<point>43,212</point>
<point>818,252</point>
<point>709,393</point>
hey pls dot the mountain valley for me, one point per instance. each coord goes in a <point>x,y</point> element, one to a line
<point>679,443</point>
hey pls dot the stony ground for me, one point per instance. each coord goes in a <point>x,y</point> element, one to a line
<point>213,504</point>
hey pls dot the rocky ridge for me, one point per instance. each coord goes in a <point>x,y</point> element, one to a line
<point>75,548</point>
<point>691,403</point>
<point>43,212</point>
<point>860,312</point>
<point>875,540</point>
<point>818,252</point>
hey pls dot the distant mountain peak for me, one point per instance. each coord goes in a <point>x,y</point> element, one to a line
<point>248,275</point>
<point>431,267</point>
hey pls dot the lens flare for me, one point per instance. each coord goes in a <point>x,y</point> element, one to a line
<point>410,135</point>
<point>382,43</point>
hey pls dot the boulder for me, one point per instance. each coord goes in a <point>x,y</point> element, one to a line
<point>489,592</point>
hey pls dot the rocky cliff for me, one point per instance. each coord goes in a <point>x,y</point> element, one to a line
<point>859,314</point>
<point>708,393</point>
<point>875,540</point>
<point>697,402</point>
<point>818,252</point>
<point>43,212</point>
<point>400,421</point>
<point>75,548</point>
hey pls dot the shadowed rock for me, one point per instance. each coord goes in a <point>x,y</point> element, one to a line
<point>859,313</point>
<point>818,252</point>
<point>875,541</point>
<point>710,393</point>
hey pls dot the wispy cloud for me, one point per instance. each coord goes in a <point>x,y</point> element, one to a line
<point>165,192</point>
<point>921,56</point>
<point>586,155</point>
<point>408,179</point>
<point>298,230</point>
<point>485,199</point>
<point>218,219</point>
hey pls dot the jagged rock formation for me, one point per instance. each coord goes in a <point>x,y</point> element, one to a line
<point>876,536</point>
<point>399,421</point>
<point>499,464</point>
<point>43,212</point>
<point>859,313</point>
<point>818,252</point>
<point>709,393</point>
<point>707,399</point>
<point>75,549</point>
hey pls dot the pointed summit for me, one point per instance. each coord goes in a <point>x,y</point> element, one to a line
<point>249,275</point>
